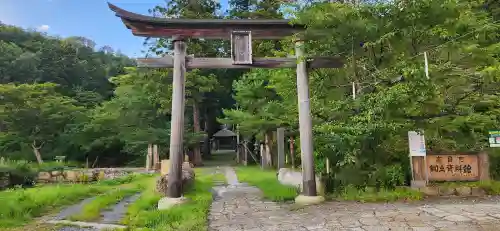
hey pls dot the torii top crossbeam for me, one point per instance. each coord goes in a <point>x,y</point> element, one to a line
<point>147,26</point>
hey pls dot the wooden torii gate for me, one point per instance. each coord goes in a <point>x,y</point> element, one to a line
<point>241,32</point>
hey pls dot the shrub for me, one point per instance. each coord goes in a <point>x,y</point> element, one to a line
<point>351,193</point>
<point>494,155</point>
<point>389,177</point>
<point>83,178</point>
<point>349,175</point>
<point>24,173</point>
<point>361,177</point>
<point>18,173</point>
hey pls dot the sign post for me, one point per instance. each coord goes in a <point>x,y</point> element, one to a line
<point>494,138</point>
<point>418,159</point>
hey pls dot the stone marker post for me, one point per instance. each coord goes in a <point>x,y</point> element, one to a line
<point>281,147</point>
<point>148,157</point>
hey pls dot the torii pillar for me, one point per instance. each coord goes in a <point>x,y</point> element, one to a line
<point>174,187</point>
<point>305,123</point>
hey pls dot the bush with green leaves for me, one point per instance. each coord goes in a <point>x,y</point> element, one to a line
<point>18,173</point>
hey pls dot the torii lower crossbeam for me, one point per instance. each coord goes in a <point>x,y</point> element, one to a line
<point>227,63</point>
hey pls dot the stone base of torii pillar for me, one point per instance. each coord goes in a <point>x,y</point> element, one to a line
<point>309,200</point>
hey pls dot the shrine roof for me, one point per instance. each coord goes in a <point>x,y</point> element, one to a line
<point>224,133</point>
<point>148,26</point>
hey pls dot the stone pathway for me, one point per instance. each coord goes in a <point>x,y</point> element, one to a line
<point>109,221</point>
<point>70,210</point>
<point>118,212</point>
<point>238,207</point>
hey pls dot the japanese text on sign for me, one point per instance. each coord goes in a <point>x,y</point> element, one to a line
<point>452,167</point>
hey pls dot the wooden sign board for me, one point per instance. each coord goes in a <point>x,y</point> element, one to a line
<point>241,47</point>
<point>453,167</point>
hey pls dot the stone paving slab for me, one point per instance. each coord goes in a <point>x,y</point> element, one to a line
<point>241,211</point>
<point>85,226</point>
<point>240,208</point>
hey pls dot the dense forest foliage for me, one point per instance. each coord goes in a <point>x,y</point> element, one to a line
<point>48,87</point>
<point>65,97</point>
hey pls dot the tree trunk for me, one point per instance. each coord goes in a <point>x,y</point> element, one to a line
<point>251,144</point>
<point>262,156</point>
<point>149,157</point>
<point>38,155</point>
<point>273,149</point>
<point>197,161</point>
<point>156,158</point>
<point>36,151</point>
<point>245,152</point>
<point>207,147</point>
<point>95,162</point>
<point>238,148</point>
<point>292,151</point>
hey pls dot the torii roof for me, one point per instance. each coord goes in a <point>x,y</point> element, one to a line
<point>147,26</point>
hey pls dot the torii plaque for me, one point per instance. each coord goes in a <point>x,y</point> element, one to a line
<point>241,32</point>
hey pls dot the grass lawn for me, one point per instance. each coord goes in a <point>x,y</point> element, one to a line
<point>191,216</point>
<point>267,181</point>
<point>20,206</point>
<point>371,195</point>
<point>147,201</point>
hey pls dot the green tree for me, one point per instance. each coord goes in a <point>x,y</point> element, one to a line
<point>259,108</point>
<point>137,114</point>
<point>81,72</point>
<point>493,7</point>
<point>35,115</point>
<point>72,63</point>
